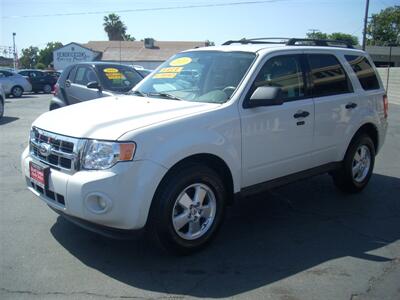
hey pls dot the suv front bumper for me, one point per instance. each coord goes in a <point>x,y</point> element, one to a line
<point>126,189</point>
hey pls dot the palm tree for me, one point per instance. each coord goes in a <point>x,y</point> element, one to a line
<point>115,28</point>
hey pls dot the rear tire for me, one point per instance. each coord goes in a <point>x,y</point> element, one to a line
<point>187,209</point>
<point>17,91</point>
<point>47,89</point>
<point>357,165</point>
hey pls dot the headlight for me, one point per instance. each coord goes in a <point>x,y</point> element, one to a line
<point>100,155</point>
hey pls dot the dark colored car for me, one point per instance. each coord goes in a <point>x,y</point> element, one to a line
<point>91,80</point>
<point>55,74</point>
<point>41,81</point>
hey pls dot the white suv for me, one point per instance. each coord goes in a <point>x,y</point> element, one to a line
<point>250,115</point>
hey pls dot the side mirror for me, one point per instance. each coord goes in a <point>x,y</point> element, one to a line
<point>94,85</point>
<point>265,96</point>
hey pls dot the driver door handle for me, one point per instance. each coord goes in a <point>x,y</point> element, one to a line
<point>67,83</point>
<point>351,105</point>
<point>301,114</point>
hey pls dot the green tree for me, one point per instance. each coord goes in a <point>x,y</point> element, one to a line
<point>209,43</point>
<point>40,66</point>
<point>340,36</point>
<point>115,28</point>
<point>128,37</point>
<point>29,57</point>
<point>384,27</point>
<point>46,54</point>
<point>317,35</point>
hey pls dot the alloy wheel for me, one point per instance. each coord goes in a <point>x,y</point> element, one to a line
<point>194,211</point>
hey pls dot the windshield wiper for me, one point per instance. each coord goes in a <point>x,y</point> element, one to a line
<point>137,93</point>
<point>164,95</point>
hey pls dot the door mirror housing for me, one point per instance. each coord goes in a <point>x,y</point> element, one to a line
<point>94,85</point>
<point>265,96</point>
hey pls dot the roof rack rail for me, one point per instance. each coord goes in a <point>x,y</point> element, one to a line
<point>267,40</point>
<point>318,42</point>
<point>292,42</point>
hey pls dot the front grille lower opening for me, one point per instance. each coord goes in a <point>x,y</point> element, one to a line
<point>49,194</point>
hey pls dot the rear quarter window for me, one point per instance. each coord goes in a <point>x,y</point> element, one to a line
<point>364,71</point>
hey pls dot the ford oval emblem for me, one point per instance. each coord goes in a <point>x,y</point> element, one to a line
<point>44,149</point>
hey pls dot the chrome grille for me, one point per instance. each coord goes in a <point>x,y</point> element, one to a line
<point>58,151</point>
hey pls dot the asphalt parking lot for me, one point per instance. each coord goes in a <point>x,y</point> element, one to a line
<point>302,241</point>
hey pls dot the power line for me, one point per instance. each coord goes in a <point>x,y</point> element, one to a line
<point>147,9</point>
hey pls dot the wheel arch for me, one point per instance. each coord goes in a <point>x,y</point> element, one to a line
<point>371,130</point>
<point>213,162</point>
<point>17,85</point>
<point>56,103</point>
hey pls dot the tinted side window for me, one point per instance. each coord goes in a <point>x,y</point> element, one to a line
<point>34,75</point>
<point>69,74</point>
<point>5,74</point>
<point>328,75</point>
<point>285,72</point>
<point>364,71</point>
<point>38,74</point>
<point>24,73</point>
<point>84,75</point>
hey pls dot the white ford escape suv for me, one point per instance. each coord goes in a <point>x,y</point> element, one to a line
<point>208,125</point>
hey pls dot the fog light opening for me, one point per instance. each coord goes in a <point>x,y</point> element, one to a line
<point>98,203</point>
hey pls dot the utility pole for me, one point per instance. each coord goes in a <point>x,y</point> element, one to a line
<point>14,53</point>
<point>313,32</point>
<point>365,25</point>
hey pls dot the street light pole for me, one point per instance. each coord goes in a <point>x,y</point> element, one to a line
<point>14,53</point>
<point>365,25</point>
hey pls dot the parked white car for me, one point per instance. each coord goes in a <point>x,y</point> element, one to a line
<point>13,83</point>
<point>2,101</point>
<point>172,156</point>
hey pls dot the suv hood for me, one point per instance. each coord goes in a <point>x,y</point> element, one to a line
<point>109,118</point>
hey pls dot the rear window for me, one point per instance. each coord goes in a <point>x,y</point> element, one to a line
<point>328,75</point>
<point>118,78</point>
<point>364,71</point>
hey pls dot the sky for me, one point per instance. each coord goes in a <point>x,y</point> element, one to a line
<point>37,22</point>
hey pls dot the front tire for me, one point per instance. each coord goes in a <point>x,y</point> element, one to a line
<point>357,165</point>
<point>188,209</point>
<point>17,91</point>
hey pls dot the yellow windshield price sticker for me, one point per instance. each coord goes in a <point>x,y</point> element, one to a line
<point>171,70</point>
<point>180,61</point>
<point>110,70</point>
<point>113,76</point>
<point>164,75</point>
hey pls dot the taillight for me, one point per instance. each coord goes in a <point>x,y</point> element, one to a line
<point>385,106</point>
<point>55,89</point>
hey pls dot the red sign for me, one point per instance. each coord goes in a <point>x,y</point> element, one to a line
<point>37,174</point>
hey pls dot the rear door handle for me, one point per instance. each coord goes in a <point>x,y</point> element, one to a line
<point>67,83</point>
<point>351,105</point>
<point>301,114</point>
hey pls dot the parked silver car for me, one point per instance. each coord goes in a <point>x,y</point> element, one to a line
<point>13,83</point>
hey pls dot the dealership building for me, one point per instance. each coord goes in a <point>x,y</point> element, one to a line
<point>148,53</point>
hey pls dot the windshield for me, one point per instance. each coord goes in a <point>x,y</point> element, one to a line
<point>118,78</point>
<point>200,76</point>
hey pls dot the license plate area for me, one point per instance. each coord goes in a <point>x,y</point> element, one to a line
<point>39,174</point>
